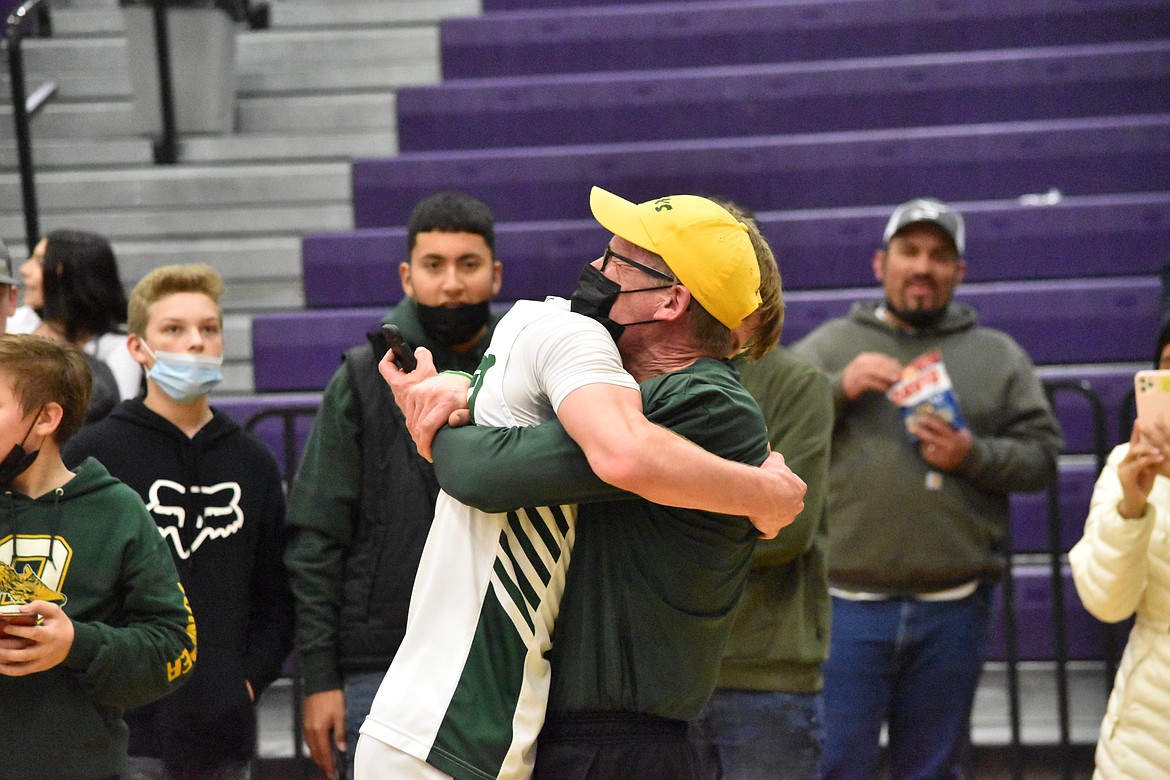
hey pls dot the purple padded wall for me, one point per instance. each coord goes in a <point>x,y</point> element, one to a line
<point>626,36</point>
<point>1030,510</point>
<point>1079,236</point>
<point>1033,595</point>
<point>748,100</point>
<point>1065,321</point>
<point>823,170</point>
<point>270,430</point>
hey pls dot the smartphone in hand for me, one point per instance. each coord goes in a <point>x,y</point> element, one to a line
<point>395,342</point>
<point>1152,393</point>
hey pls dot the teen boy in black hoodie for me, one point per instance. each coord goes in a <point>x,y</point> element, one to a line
<point>78,548</point>
<point>216,496</point>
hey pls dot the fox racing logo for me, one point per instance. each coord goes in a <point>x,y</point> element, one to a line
<point>215,509</point>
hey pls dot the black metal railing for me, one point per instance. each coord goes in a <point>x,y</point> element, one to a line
<point>288,416</point>
<point>166,147</point>
<point>31,15</point>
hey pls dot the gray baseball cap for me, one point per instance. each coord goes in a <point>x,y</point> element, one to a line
<point>6,276</point>
<point>932,211</point>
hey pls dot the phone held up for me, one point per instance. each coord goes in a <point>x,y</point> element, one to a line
<point>403,354</point>
<point>1152,393</point>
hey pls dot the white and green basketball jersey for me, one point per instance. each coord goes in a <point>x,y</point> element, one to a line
<point>468,687</point>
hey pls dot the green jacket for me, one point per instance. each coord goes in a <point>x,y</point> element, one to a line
<point>781,632</point>
<point>895,525</point>
<point>134,636</point>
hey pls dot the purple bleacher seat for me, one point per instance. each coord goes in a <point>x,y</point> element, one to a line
<point>823,170</point>
<point>270,429</point>
<point>1030,510</point>
<point>1079,236</point>
<point>1061,321</point>
<point>750,100</point>
<point>301,350</point>
<point>629,36</point>
<point>361,268</point>
<point>1034,630</point>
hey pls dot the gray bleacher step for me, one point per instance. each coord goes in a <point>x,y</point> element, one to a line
<point>187,185</point>
<point>182,224</point>
<point>86,22</point>
<point>238,259</point>
<point>316,113</point>
<point>280,61</point>
<point>320,113</point>
<point>267,62</point>
<point>1088,691</point>
<point>257,147</point>
<point>363,13</point>
<point>57,153</point>
<point>261,273</point>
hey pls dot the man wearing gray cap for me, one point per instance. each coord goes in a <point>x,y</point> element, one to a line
<point>937,420</point>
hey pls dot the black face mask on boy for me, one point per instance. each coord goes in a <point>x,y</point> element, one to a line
<point>17,461</point>
<point>454,325</point>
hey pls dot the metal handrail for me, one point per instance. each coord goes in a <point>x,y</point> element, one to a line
<point>14,32</point>
<point>166,148</point>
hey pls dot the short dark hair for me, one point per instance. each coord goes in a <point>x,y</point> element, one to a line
<point>451,212</point>
<point>44,371</point>
<point>81,285</point>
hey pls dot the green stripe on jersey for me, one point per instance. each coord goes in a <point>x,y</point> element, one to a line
<point>478,723</point>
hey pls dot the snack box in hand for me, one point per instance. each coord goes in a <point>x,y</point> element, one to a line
<point>925,388</point>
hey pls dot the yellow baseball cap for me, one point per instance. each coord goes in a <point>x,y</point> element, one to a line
<point>706,248</point>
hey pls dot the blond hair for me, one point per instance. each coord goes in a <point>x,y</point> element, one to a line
<point>168,280</point>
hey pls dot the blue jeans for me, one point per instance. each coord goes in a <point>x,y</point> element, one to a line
<point>912,664</point>
<point>359,696</point>
<point>746,735</point>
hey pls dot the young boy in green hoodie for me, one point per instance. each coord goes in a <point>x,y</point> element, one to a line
<point>82,556</point>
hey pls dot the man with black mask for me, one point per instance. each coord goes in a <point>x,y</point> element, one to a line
<point>363,499</point>
<point>937,421</point>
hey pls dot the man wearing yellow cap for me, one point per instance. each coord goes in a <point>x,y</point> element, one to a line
<point>466,693</point>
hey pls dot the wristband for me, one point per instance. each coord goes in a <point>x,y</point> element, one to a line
<point>463,374</point>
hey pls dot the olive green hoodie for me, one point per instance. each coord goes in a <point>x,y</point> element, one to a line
<point>134,637</point>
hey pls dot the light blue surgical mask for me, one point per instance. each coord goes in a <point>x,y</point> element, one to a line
<point>185,377</point>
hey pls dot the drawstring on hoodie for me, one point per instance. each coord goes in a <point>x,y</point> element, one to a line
<point>57,494</point>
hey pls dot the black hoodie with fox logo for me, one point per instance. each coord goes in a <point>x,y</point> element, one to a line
<point>218,502</point>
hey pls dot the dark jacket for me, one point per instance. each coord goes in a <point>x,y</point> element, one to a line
<point>218,501</point>
<point>360,511</point>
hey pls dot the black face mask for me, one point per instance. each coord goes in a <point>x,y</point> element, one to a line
<point>595,296</point>
<point>917,319</point>
<point>454,325</point>
<point>17,461</point>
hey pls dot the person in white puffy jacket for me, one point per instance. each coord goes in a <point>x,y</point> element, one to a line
<point>1121,567</point>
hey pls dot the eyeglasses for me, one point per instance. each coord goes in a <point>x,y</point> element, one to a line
<point>634,263</point>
